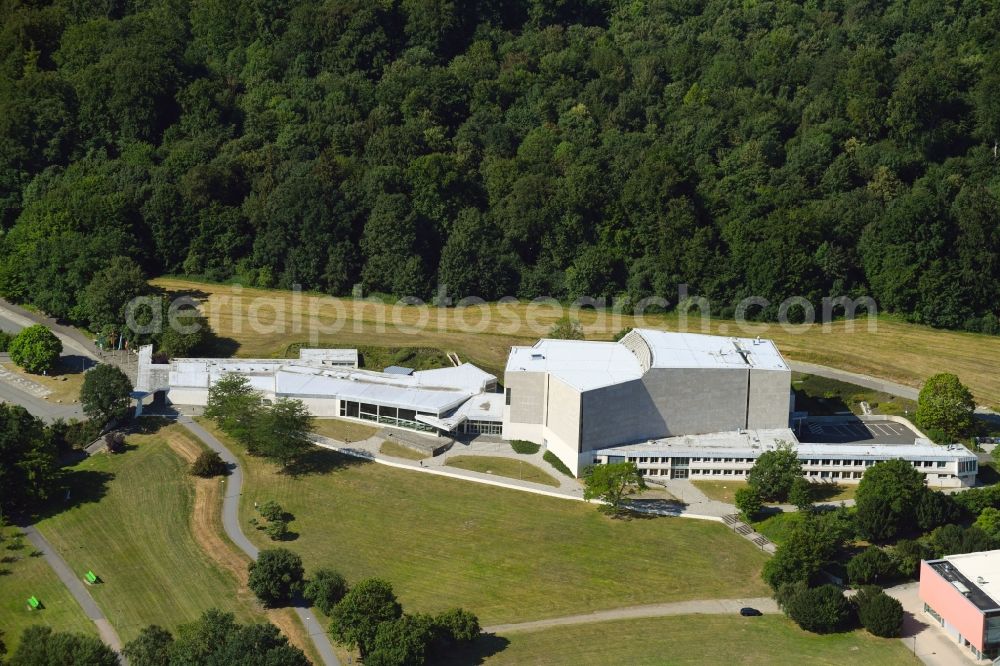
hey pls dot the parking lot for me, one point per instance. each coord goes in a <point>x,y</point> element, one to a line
<point>846,432</point>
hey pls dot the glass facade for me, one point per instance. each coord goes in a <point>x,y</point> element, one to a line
<point>391,416</point>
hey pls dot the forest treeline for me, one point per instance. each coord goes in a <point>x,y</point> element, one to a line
<point>507,147</point>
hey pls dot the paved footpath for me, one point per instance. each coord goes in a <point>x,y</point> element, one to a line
<point>231,524</point>
<point>694,607</point>
<point>928,643</point>
<point>76,587</point>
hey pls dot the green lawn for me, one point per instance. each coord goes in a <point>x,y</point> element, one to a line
<point>136,534</point>
<point>692,639</point>
<point>513,469</point>
<point>823,396</point>
<point>27,576</point>
<point>724,491</point>
<point>397,450</point>
<point>343,430</point>
<point>777,526</point>
<point>504,554</point>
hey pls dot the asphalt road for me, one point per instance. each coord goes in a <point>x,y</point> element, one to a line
<point>43,409</point>
<point>231,524</point>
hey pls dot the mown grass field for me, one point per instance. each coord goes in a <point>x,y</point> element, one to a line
<point>390,448</point>
<point>24,576</point>
<point>725,491</point>
<point>136,534</point>
<point>691,639</point>
<point>513,469</point>
<point>343,431</point>
<point>897,351</point>
<point>506,555</point>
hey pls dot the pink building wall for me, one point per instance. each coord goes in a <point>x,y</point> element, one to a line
<point>952,605</point>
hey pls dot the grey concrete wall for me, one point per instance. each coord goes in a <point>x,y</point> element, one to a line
<point>665,402</point>
<point>527,397</point>
<point>769,398</point>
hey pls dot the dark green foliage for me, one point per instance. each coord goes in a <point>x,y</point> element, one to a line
<point>774,472</point>
<point>887,499</point>
<point>209,464</point>
<point>955,540</point>
<point>612,483</point>
<point>5,339</point>
<point>216,638</point>
<point>29,470</point>
<point>748,502</point>
<point>936,508</point>
<point>104,300</point>
<point>356,619</point>
<point>802,494</point>
<point>907,554</point>
<point>879,613</point>
<point>35,348</point>
<point>40,646</point>
<point>401,642</point>
<point>271,510</point>
<point>945,405</point>
<point>872,565</point>
<point>810,546</point>
<point>523,148</point>
<point>974,500</point>
<point>325,589</point>
<point>519,148</point>
<point>821,610</point>
<point>106,393</point>
<point>150,648</point>
<point>456,626</point>
<point>524,447</point>
<point>277,530</point>
<point>276,576</point>
<point>554,460</point>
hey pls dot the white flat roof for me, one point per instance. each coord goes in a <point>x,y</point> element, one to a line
<point>753,442</point>
<point>695,350</point>
<point>982,569</point>
<point>334,355</point>
<point>350,387</point>
<point>587,364</point>
<point>582,364</point>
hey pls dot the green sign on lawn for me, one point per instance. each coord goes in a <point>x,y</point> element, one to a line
<point>34,603</point>
<point>91,577</point>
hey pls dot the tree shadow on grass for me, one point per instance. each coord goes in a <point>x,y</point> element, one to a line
<point>322,461</point>
<point>79,487</point>
<point>826,490</point>
<point>487,645</point>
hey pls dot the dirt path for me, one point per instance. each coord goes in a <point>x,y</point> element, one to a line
<point>206,526</point>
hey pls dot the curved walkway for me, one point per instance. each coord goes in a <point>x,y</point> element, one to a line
<point>693,607</point>
<point>75,587</point>
<point>231,523</point>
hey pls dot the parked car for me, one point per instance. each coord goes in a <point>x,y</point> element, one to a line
<point>750,612</point>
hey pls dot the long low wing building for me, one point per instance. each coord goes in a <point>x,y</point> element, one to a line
<point>458,399</point>
<point>575,397</point>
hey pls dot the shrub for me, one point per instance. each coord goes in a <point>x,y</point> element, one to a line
<point>879,613</point>
<point>115,441</point>
<point>524,447</point>
<point>209,464</point>
<point>36,349</point>
<point>553,460</point>
<point>276,530</point>
<point>871,565</point>
<point>5,339</point>
<point>748,502</point>
<point>802,493</point>
<point>325,590</point>
<point>271,510</point>
<point>821,610</point>
<point>906,555</point>
<point>275,576</point>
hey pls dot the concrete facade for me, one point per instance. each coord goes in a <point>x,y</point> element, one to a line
<point>575,397</point>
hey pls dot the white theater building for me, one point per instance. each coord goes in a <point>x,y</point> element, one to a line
<point>576,397</point>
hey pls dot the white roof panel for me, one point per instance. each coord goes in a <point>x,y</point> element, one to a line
<point>982,568</point>
<point>327,385</point>
<point>694,350</point>
<point>582,364</point>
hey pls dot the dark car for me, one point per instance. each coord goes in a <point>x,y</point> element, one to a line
<point>750,612</point>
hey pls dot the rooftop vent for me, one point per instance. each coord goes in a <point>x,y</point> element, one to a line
<point>960,586</point>
<point>538,357</point>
